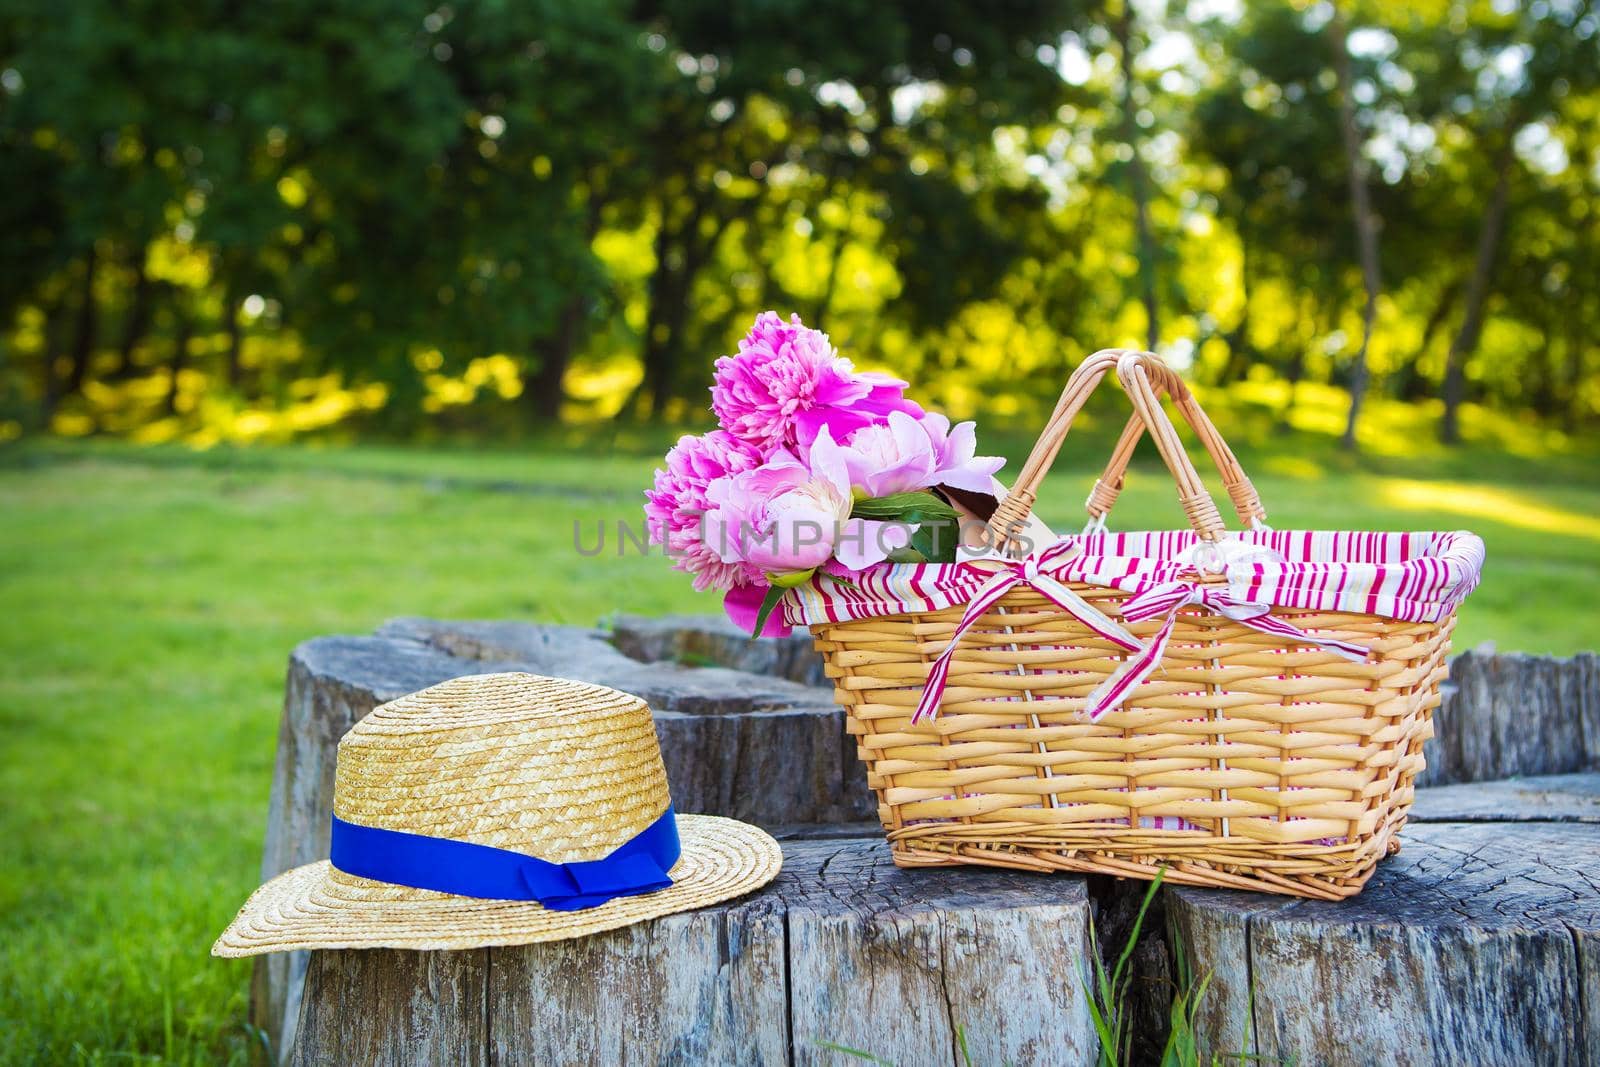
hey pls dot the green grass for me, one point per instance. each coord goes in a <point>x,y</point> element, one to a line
<point>148,599</point>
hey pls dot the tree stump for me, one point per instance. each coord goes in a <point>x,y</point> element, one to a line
<point>1478,944</point>
<point>1545,798</point>
<point>1506,714</point>
<point>757,747</point>
<point>748,729</point>
<point>714,640</point>
<point>843,949</point>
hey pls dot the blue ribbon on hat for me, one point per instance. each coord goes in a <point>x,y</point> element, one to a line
<point>638,865</point>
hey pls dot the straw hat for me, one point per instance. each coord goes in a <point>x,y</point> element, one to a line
<point>531,767</point>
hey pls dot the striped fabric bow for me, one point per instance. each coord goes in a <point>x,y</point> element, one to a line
<point>1030,571</point>
<point>1168,598</point>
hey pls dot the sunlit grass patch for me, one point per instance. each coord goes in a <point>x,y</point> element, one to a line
<point>1490,503</point>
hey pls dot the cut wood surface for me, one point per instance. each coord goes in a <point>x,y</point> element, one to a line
<point>333,681</point>
<point>700,640</point>
<point>1477,944</point>
<point>843,949</point>
<point>751,746</point>
<point>1541,798</point>
<point>744,735</point>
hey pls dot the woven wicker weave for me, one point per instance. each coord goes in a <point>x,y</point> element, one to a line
<point>1288,769</point>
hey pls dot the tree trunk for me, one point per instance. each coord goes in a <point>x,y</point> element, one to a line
<point>1141,193</point>
<point>1578,333</point>
<point>1295,369</point>
<point>660,334</point>
<point>1465,343</point>
<point>668,291</point>
<point>825,302</point>
<point>1238,338</point>
<point>679,259</point>
<point>1366,224</point>
<point>180,358</point>
<point>55,321</point>
<point>545,388</point>
<point>235,349</point>
<point>843,950</point>
<point>1293,373</point>
<point>1411,378</point>
<point>1476,944</point>
<point>84,337</point>
<point>840,239</point>
<point>137,322</point>
<point>1544,393</point>
<point>1575,347</point>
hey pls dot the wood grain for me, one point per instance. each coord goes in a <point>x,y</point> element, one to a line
<point>1475,945</point>
<point>1540,798</point>
<point>714,639</point>
<point>332,682</point>
<point>843,948</point>
<point>929,950</point>
<point>1509,714</point>
<point>386,1006</point>
<point>763,749</point>
<point>697,987</point>
<point>892,961</point>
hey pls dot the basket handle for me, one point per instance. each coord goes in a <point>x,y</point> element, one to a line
<point>1246,501</point>
<point>1135,370</point>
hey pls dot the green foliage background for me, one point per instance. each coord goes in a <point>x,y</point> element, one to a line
<point>247,222</point>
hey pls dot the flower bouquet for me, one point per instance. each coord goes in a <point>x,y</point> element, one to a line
<point>817,469</point>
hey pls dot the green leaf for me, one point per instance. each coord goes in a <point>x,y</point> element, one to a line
<point>790,579</point>
<point>906,507</point>
<point>860,1054</point>
<point>768,602</point>
<point>938,524</point>
<point>1106,994</point>
<point>936,541</point>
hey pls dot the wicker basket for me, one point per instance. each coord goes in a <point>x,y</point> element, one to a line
<point>1247,760</point>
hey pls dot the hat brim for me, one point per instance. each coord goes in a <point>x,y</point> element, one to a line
<point>316,906</point>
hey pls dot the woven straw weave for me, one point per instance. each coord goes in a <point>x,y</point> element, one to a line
<point>560,770</point>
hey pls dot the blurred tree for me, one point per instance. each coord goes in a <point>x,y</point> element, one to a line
<point>1361,208</point>
<point>1123,21</point>
<point>462,226</point>
<point>892,99</point>
<point>213,211</point>
<point>1271,122</point>
<point>1489,78</point>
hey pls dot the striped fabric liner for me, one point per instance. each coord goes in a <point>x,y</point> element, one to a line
<point>1414,577</point>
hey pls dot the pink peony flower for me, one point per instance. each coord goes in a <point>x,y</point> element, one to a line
<point>892,457</point>
<point>905,454</point>
<point>743,605</point>
<point>766,500</point>
<point>954,462</point>
<point>778,518</point>
<point>788,381</point>
<point>788,520</point>
<point>674,507</point>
